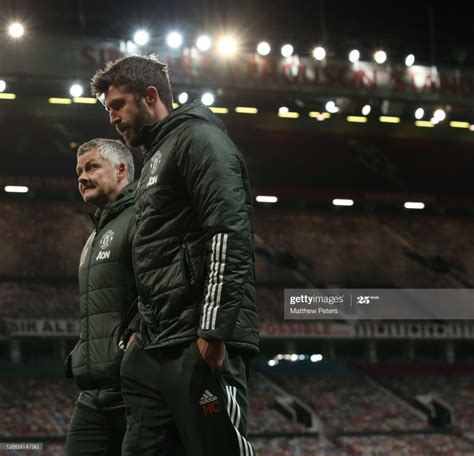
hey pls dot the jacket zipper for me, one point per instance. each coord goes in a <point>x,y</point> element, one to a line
<point>188,267</point>
<point>138,205</point>
<point>88,361</point>
<point>135,273</point>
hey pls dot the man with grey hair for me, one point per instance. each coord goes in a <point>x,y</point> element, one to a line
<point>108,299</point>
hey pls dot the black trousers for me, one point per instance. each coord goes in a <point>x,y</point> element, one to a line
<point>97,425</point>
<point>177,406</point>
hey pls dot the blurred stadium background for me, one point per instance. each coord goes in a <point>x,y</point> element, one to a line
<point>362,172</point>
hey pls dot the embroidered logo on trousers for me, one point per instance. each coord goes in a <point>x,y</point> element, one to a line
<point>209,403</point>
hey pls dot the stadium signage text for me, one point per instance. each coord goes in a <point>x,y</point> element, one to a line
<point>42,327</point>
<point>305,329</point>
<point>299,72</point>
<point>308,73</point>
<point>63,59</point>
<point>369,330</point>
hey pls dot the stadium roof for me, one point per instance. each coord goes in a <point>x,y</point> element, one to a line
<point>302,155</point>
<point>434,32</point>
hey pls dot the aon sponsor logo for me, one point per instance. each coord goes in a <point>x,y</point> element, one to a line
<point>152,180</point>
<point>103,255</point>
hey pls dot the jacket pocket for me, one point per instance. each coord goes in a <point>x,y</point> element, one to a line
<point>193,262</point>
<point>187,269</point>
<point>78,365</point>
<point>192,265</point>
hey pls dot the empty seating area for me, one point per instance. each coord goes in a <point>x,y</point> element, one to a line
<point>406,250</point>
<point>343,399</point>
<point>42,239</point>
<point>26,299</point>
<point>35,406</point>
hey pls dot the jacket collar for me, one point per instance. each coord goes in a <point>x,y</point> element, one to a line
<point>124,199</point>
<point>155,132</point>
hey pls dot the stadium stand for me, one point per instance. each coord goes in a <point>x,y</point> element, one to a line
<point>346,400</point>
<point>291,446</point>
<point>27,299</point>
<point>407,445</point>
<point>35,407</point>
<point>41,239</point>
<point>453,385</point>
<point>388,249</point>
<point>263,417</point>
<point>358,417</point>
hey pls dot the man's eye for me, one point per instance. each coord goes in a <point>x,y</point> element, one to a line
<point>117,104</point>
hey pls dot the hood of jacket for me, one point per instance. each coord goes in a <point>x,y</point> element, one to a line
<point>155,133</point>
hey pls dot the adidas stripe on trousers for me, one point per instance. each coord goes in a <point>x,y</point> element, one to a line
<point>176,406</point>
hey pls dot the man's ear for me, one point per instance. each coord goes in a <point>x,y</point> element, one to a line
<point>121,171</point>
<point>152,96</point>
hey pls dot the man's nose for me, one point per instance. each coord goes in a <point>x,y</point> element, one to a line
<point>82,178</point>
<point>114,118</point>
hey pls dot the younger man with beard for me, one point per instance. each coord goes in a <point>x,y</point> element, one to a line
<point>184,379</point>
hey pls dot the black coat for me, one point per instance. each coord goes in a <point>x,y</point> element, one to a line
<point>107,294</point>
<point>194,245</point>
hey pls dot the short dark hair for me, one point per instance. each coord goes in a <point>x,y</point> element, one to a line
<point>136,73</point>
